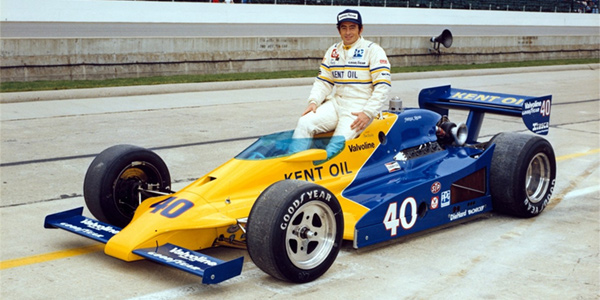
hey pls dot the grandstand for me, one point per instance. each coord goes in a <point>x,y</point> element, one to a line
<point>506,5</point>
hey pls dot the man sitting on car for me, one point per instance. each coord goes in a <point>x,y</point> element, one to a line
<point>360,72</point>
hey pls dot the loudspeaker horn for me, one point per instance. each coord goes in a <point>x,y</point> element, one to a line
<point>445,39</point>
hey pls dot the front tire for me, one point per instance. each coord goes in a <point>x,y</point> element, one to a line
<point>522,175</point>
<point>295,230</point>
<point>115,180</point>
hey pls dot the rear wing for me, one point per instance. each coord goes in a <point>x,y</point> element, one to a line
<point>534,111</point>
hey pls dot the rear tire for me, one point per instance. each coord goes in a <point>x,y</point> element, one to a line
<point>114,178</point>
<point>295,230</point>
<point>522,175</point>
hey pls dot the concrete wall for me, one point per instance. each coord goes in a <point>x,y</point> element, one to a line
<point>101,58</point>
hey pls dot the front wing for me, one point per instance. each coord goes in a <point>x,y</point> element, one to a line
<point>212,270</point>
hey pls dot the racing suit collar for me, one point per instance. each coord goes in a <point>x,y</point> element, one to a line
<point>346,47</point>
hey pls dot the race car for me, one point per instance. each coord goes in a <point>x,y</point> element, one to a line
<point>411,170</point>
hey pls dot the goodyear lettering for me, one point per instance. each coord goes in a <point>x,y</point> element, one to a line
<point>486,98</point>
<point>174,261</point>
<point>317,173</point>
<point>536,210</point>
<point>321,195</point>
<point>85,231</point>
<point>364,146</point>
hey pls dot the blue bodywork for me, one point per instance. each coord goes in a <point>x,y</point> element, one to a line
<point>428,186</point>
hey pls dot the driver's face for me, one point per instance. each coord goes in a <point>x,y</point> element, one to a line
<point>349,32</point>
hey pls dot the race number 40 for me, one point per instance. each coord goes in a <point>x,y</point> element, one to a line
<point>545,108</point>
<point>391,221</point>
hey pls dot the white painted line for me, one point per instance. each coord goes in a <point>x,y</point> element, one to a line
<point>583,192</point>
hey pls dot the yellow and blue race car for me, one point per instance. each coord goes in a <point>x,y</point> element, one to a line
<point>411,170</point>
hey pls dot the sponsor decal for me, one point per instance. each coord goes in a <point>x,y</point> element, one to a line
<point>457,215</point>
<point>85,231</point>
<point>392,166</point>
<point>317,173</point>
<point>335,54</point>
<point>436,187</point>
<point>445,198</point>
<point>192,257</point>
<point>465,213</point>
<point>348,15</point>
<point>95,226</point>
<point>412,119</point>
<point>358,53</point>
<point>174,261</point>
<point>435,201</point>
<point>364,146</point>
<point>383,61</point>
<point>540,126</point>
<point>487,98</point>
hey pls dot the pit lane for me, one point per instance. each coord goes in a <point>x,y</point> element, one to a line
<point>47,146</point>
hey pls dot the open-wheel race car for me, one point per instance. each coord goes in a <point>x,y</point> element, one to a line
<point>411,170</point>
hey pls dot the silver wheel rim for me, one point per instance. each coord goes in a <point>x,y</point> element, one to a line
<point>538,178</point>
<point>311,235</point>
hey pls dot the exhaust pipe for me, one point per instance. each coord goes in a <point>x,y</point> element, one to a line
<point>449,132</point>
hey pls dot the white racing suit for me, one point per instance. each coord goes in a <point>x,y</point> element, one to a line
<point>361,76</point>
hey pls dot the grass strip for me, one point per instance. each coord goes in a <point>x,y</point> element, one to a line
<point>42,85</point>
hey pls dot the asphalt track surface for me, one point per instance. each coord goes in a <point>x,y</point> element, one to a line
<point>115,30</point>
<point>47,146</point>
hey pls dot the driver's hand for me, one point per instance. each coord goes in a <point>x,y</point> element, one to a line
<point>361,122</point>
<point>310,108</point>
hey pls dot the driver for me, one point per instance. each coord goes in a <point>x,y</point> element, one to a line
<point>360,72</point>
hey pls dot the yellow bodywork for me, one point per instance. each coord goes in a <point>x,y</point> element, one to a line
<point>225,196</point>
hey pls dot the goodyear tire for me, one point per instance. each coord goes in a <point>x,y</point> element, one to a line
<point>295,230</point>
<point>112,183</point>
<point>522,175</point>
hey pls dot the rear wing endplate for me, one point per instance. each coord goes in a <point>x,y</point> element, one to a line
<point>212,270</point>
<point>534,111</point>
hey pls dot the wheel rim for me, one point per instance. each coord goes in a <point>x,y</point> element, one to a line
<point>538,177</point>
<point>127,187</point>
<point>311,235</point>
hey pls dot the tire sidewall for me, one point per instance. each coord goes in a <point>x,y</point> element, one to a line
<point>288,197</point>
<point>279,234</point>
<point>529,208</point>
<point>103,173</point>
<point>512,155</point>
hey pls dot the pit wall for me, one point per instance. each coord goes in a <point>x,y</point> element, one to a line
<point>101,58</point>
